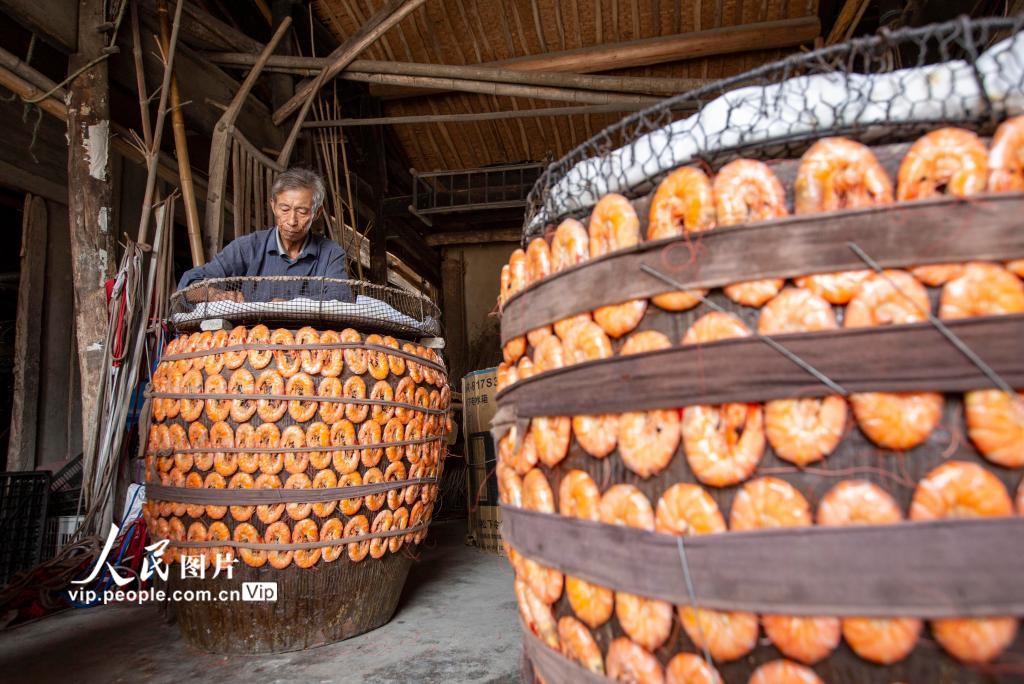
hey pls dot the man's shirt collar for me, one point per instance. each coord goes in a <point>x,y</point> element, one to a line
<point>275,246</point>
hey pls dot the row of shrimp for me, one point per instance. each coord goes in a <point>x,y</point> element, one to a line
<point>724,444</point>
<point>834,174</point>
<point>329,363</point>
<point>956,489</point>
<point>295,531</point>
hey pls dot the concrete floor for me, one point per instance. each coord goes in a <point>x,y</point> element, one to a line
<point>456,622</point>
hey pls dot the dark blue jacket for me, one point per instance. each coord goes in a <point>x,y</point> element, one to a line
<point>257,254</point>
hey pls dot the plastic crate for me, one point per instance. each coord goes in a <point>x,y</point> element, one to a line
<point>23,503</point>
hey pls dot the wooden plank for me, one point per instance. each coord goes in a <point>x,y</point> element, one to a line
<point>21,450</point>
<point>54,21</point>
<point>474,237</point>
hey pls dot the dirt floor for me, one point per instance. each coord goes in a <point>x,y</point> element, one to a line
<point>456,622</point>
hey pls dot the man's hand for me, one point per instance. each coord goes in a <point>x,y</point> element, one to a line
<point>212,294</point>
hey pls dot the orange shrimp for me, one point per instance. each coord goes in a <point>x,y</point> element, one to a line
<point>577,643</point>
<point>331,530</point>
<point>370,433</point>
<point>982,290</point>
<point>318,434</point>
<point>648,340</point>
<point>191,383</point>
<point>525,368</point>
<point>597,435</point>
<point>332,360</point>
<point>325,479</point>
<point>857,502</point>
<point>246,534</point>
<point>624,504</point>
<point>199,439</point>
<point>801,431</point>
<point>238,336</point>
<point>395,363</point>
<point>948,161</point>
<point>301,385</point>
<point>382,523</point>
<point>355,527</point>
<point>294,437</point>
<point>629,662</point>
<point>683,203</point>
<point>564,326</point>
<point>784,672</point>
<point>270,410</point>
<point>504,285</point>
<point>806,639</point>
<point>304,532</point>
<point>619,319</point>
<point>259,358</point>
<point>331,411</point>
<point>245,438</point>
<point>586,341</point>
<point>1006,157</point>
<point>959,489</point>
<point>268,514</point>
<point>747,191</point>
<point>837,173</point>
<point>724,443</point>
<point>893,420</point>
<point>570,245</point>
<point>538,335</point>
<point>551,435</point>
<point>686,509</point>
<point>279,533</point>
<point>549,354</point>
<point>578,496</point>
<point>356,359</point>
<point>538,260</point>
<point>995,423</point>
<point>311,360</point>
<point>537,494</point>
<point>688,668</point>
<point>288,361</point>
<point>648,440</point>
<point>377,361</point>
<point>592,603</point>
<point>768,502</point>
<point>298,511</point>
<point>354,388</point>
<point>536,614</point>
<point>242,382</point>
<point>513,349</point>
<point>343,434</point>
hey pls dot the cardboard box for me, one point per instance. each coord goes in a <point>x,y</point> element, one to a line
<point>478,407</point>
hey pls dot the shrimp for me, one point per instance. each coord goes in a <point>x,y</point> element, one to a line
<point>331,411</point>
<point>247,462</point>
<point>597,435</point>
<point>242,382</point>
<point>268,436</point>
<point>613,225</point>
<point>270,382</point>
<point>570,245</point>
<point>537,494</point>
<point>504,284</point>
<point>236,338</point>
<point>592,603</point>
<point>191,383</point>
<point>513,349</point>
<point>354,388</point>
<point>536,614</point>
<point>525,368</point>
<point>377,361</point>
<point>1006,157</point>
<point>199,438</point>
<point>624,504</point>
<point>510,486</point>
<point>288,361</point>
<point>247,534</point>
<point>683,203</point>
<point>893,420</point>
<point>714,326</point>
<point>948,161</point>
<point>357,527</point>
<point>279,533</point>
<point>685,509</point>
<point>538,260</point>
<point>834,288</point>
<point>293,437</point>
<point>586,341</point>
<point>269,514</point>
<point>837,173</point>
<point>259,358</point>
<point>301,385</point>
<point>619,319</point>
<point>577,643</point>
<point>648,622</point>
<point>343,434</point>
<point>578,496</point>
<point>806,639</point>
<point>551,435</point>
<point>648,340</point>
<point>564,326</point>
<point>983,290</point>
<point>370,433</point>
<point>747,191</point>
<point>801,431</point>
<point>688,668</point>
<point>857,502</point>
<point>995,423</point>
<point>382,523</point>
<point>768,502</point>
<point>958,489</point>
<point>215,362</point>
<point>356,359</point>
<point>548,355</point>
<point>648,440</point>
<point>629,662</point>
<point>395,363</point>
<point>538,335</point>
<point>784,672</point>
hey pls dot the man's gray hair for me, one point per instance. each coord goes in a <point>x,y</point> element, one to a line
<point>300,179</point>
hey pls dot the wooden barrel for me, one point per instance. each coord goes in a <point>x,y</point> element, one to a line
<point>307,458</point>
<point>629,417</point>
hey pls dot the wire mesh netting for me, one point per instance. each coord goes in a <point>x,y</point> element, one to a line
<point>887,88</point>
<point>311,301</point>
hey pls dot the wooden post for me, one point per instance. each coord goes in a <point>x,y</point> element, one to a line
<point>21,450</point>
<point>282,86</point>
<point>453,311</point>
<point>93,240</point>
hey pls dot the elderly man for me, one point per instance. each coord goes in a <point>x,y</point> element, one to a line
<point>288,249</point>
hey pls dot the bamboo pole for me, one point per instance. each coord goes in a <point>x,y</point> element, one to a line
<point>188,194</point>
<point>153,152</point>
<point>389,15</point>
<point>849,16</point>
<point>140,79</point>
<point>478,116</point>
<point>641,85</point>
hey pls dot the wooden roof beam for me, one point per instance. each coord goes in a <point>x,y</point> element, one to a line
<point>658,50</point>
